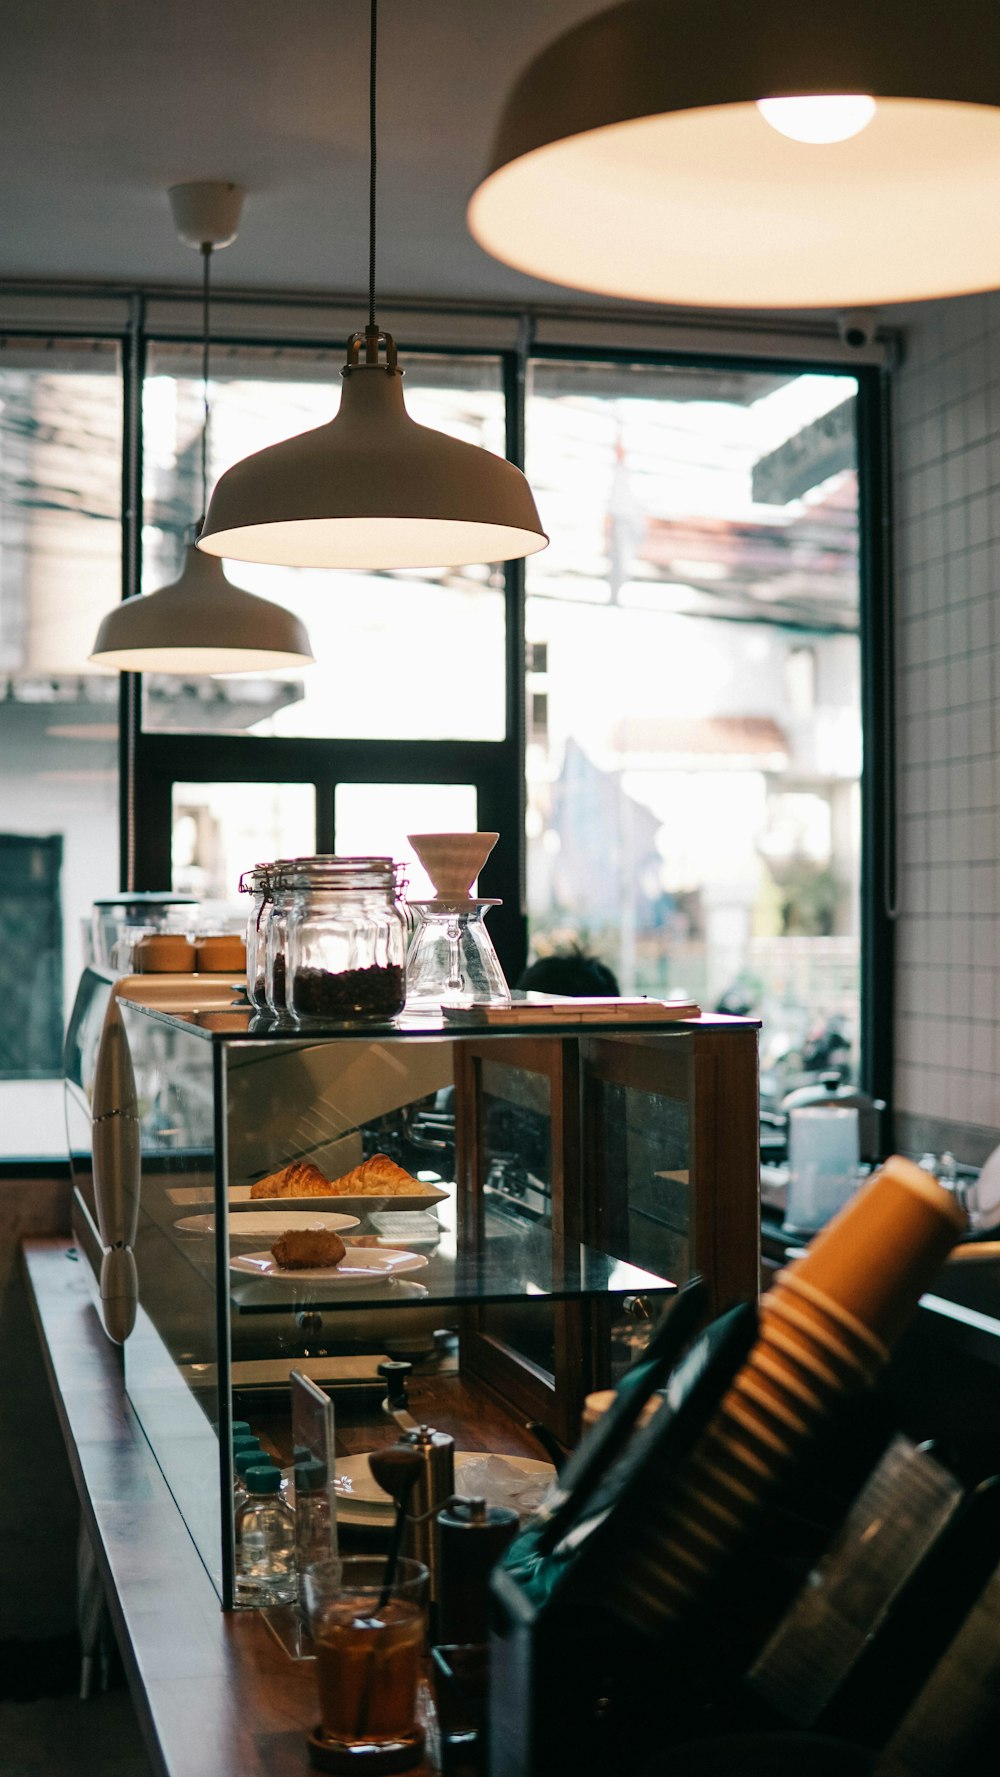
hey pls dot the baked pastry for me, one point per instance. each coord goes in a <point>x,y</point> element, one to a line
<point>377,1177</point>
<point>299,1179</point>
<point>300,1249</point>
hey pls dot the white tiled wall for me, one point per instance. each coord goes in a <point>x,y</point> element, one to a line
<point>946,431</point>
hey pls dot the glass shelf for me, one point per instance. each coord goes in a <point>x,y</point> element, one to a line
<point>238,1023</point>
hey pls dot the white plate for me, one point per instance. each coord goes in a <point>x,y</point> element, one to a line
<point>359,1265</point>
<point>520,1484</point>
<point>248,1227</point>
<point>424,1196</point>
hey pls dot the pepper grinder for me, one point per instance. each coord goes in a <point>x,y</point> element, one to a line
<point>472,1536</point>
<point>433,1488</point>
<point>435,1482</point>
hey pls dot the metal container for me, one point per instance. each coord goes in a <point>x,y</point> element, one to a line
<point>472,1536</point>
<point>432,1489</point>
<point>828,1089</point>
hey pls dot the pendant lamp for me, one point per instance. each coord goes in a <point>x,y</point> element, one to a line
<point>371,488</point>
<point>788,155</point>
<point>201,623</point>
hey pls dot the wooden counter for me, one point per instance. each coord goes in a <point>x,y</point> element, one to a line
<point>214,1692</point>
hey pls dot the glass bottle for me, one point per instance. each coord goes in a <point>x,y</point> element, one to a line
<point>256,882</point>
<point>265,1542</point>
<point>345,942</point>
<point>315,1525</point>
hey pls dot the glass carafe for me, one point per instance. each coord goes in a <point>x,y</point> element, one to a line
<point>345,942</point>
<point>451,959</point>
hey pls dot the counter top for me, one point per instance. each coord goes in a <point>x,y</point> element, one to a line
<point>214,1692</point>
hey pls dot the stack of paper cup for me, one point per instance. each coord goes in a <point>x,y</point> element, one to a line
<point>596,1405</point>
<point>826,1328</point>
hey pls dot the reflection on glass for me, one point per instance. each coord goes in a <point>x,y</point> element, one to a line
<point>394,650</point>
<point>694,735</point>
<point>60,570</point>
<point>220,830</point>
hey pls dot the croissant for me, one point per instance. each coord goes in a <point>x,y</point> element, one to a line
<point>377,1177</point>
<point>299,1179</point>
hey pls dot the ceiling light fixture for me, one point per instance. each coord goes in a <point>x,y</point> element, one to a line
<point>633,156</point>
<point>201,623</point>
<point>371,488</point>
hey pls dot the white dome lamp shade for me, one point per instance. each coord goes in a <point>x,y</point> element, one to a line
<point>372,488</point>
<point>201,624</point>
<point>684,151</point>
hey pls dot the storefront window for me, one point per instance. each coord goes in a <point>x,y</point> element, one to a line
<point>373,820</point>
<point>694,725</point>
<point>400,656</point>
<point>60,569</point>
<point>220,830</point>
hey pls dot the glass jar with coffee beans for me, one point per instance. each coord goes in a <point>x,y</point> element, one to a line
<point>345,941</point>
<point>256,882</point>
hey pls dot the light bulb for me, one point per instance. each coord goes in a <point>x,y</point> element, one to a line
<point>822,117</point>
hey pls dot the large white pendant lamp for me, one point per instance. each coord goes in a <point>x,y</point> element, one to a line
<point>781,156</point>
<point>371,488</point>
<point>201,623</point>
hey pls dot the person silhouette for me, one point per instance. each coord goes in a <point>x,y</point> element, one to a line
<point>570,972</point>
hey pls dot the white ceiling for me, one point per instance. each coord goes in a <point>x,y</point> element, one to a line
<point>104,103</point>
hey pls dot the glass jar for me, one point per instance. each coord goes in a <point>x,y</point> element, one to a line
<point>256,882</point>
<point>345,941</point>
<point>274,952</point>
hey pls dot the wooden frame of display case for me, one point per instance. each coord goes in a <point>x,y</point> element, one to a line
<point>713,1074</point>
<point>520,1382</point>
<point>716,1074</point>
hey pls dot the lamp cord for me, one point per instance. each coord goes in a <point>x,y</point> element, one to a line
<point>372,161</point>
<point>206,261</point>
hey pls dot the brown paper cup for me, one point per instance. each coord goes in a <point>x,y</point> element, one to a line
<point>767,1398</point>
<point>835,1325</point>
<point>821,1335</point>
<point>877,1255</point>
<point>749,1423</point>
<point>774,1366</point>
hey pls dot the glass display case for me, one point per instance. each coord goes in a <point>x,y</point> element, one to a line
<point>548,1189</point>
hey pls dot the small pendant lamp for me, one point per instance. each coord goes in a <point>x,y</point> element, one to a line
<point>201,623</point>
<point>371,488</point>
<point>790,155</point>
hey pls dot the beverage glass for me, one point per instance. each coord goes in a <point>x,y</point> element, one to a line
<point>368,1662</point>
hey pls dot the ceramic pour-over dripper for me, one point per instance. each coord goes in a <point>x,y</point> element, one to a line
<point>451,959</point>
<point>452,860</point>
